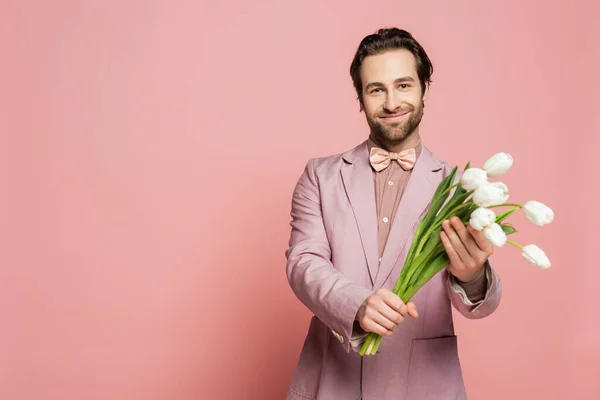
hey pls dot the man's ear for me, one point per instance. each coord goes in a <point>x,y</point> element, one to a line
<point>426,94</point>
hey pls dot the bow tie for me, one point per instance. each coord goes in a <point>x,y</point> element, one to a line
<point>380,158</point>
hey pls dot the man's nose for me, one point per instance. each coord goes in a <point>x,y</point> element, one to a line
<point>391,103</point>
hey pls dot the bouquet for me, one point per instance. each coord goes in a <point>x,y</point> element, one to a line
<point>472,201</point>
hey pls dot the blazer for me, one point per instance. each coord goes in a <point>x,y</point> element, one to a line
<point>332,267</point>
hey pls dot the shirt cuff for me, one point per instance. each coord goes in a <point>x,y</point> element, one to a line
<point>358,336</point>
<point>472,293</point>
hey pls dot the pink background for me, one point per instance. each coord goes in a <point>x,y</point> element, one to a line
<point>148,154</point>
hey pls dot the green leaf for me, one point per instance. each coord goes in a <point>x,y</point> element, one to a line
<point>446,182</point>
<point>438,199</point>
<point>459,197</point>
<point>465,213</point>
<point>433,245</point>
<point>436,265</point>
<point>427,265</point>
<point>411,272</point>
<point>423,227</point>
<point>433,241</point>
<point>503,215</point>
<point>508,229</point>
<point>453,203</point>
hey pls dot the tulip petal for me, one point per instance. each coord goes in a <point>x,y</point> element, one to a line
<point>495,235</point>
<point>473,178</point>
<point>490,194</point>
<point>481,218</point>
<point>498,164</point>
<point>535,255</point>
<point>538,213</point>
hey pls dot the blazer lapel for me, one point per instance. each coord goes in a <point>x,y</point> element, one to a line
<point>418,194</point>
<point>357,177</point>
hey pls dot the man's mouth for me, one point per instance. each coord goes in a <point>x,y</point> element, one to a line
<point>393,117</point>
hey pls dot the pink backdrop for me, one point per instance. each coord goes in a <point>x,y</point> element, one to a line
<point>149,150</point>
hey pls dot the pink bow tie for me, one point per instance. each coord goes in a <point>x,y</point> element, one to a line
<point>380,158</point>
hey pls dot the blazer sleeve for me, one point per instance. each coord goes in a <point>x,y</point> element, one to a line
<point>479,309</point>
<point>324,290</point>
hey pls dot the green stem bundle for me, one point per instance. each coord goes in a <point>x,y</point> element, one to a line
<point>427,256</point>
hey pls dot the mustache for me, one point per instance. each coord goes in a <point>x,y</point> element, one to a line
<point>398,111</point>
<point>395,113</point>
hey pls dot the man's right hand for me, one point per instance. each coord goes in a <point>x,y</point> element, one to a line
<point>383,311</point>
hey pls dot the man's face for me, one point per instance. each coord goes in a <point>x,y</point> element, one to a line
<point>392,97</point>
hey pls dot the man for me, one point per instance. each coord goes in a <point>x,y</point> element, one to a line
<point>354,216</point>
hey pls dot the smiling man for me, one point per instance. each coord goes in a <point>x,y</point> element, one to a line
<point>354,215</point>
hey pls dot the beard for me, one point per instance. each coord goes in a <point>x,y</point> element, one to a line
<point>397,131</point>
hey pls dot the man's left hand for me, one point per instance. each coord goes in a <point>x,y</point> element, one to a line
<point>467,248</point>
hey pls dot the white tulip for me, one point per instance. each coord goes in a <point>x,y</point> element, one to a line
<point>482,218</point>
<point>472,178</point>
<point>490,194</point>
<point>535,255</point>
<point>538,213</point>
<point>495,234</point>
<point>498,164</point>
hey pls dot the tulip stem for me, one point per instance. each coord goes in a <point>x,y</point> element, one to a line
<point>514,244</point>
<point>448,190</point>
<point>507,205</point>
<point>437,225</point>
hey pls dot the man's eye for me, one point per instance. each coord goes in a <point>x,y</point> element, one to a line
<point>403,86</point>
<point>375,90</point>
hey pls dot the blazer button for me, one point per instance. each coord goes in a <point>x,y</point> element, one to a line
<point>338,336</point>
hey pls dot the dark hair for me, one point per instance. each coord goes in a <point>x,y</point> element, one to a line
<point>390,39</point>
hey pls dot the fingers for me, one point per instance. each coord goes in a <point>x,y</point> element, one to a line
<point>398,305</point>
<point>384,311</point>
<point>452,254</point>
<point>393,315</point>
<point>473,240</point>
<point>412,309</point>
<point>453,231</point>
<point>480,240</point>
<point>371,326</point>
<point>393,301</point>
<point>385,322</point>
<point>389,306</point>
<point>460,243</point>
<point>378,317</point>
<point>465,237</point>
<point>375,321</point>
